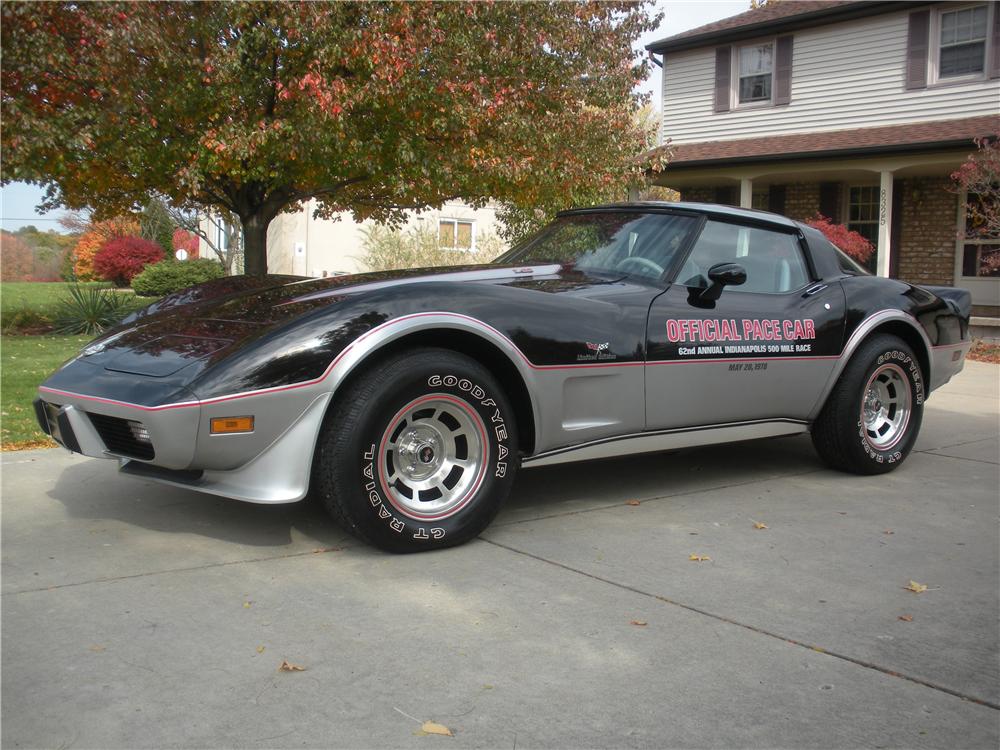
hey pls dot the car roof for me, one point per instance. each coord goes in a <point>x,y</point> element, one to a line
<point>710,209</point>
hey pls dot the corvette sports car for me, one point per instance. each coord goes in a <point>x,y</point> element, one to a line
<point>407,401</point>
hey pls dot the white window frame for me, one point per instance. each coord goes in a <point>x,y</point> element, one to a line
<point>985,290</point>
<point>846,210</point>
<point>454,221</point>
<point>934,52</point>
<point>734,76</point>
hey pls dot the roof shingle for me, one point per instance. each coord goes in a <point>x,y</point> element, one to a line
<point>834,143</point>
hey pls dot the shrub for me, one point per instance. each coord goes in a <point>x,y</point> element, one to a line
<point>25,320</point>
<point>92,240</point>
<point>167,277</point>
<point>850,242</point>
<point>420,247</point>
<point>90,310</point>
<point>185,240</point>
<point>122,259</point>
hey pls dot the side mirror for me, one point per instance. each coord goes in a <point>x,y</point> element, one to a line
<point>723,274</point>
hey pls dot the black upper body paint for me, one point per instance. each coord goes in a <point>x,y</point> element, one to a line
<point>242,334</point>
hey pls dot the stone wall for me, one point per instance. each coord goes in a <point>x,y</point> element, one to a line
<point>927,243</point>
<point>801,200</point>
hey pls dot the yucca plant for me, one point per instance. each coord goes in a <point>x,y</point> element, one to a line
<point>89,310</point>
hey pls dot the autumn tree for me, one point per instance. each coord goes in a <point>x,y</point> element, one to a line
<point>371,107</point>
<point>979,179</point>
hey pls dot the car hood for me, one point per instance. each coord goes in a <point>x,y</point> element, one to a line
<point>202,324</point>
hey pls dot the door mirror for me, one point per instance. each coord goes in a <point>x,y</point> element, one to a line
<point>723,274</point>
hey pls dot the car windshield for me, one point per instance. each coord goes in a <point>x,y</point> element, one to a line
<point>614,242</point>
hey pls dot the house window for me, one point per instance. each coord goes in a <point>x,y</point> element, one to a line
<point>962,42</point>
<point>457,234</point>
<point>980,247</point>
<point>755,64</point>
<point>759,199</point>
<point>863,215</point>
<point>221,235</point>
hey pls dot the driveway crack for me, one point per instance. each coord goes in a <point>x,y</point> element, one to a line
<point>753,628</point>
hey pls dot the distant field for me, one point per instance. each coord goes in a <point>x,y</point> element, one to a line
<point>25,361</point>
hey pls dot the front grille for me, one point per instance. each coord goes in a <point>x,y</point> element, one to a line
<point>121,436</point>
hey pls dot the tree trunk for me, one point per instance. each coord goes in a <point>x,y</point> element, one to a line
<point>255,244</point>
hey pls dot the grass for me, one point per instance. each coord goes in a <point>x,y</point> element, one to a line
<point>36,303</point>
<point>25,361</point>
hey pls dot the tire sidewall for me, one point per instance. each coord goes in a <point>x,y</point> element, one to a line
<point>878,354</point>
<point>457,379</point>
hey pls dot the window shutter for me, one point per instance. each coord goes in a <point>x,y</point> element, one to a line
<point>776,199</point>
<point>995,43</point>
<point>829,200</point>
<point>917,46</point>
<point>723,73</point>
<point>783,70</point>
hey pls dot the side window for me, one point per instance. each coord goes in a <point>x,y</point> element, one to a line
<point>773,260</point>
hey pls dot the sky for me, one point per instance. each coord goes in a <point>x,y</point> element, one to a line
<point>18,199</point>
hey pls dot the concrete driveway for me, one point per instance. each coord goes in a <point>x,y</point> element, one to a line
<point>135,615</point>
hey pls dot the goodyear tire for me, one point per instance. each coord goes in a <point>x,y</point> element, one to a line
<point>871,419</point>
<point>418,453</point>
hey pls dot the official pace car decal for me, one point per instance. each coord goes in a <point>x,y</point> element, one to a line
<point>708,337</point>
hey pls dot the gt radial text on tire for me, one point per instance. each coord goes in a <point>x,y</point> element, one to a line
<point>418,453</point>
<point>871,418</point>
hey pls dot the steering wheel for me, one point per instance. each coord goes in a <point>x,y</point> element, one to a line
<point>638,260</point>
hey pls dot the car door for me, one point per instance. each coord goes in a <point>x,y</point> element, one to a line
<point>762,350</point>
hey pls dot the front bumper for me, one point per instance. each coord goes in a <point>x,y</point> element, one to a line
<point>172,444</point>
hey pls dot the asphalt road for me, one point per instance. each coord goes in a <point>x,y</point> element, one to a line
<point>136,616</point>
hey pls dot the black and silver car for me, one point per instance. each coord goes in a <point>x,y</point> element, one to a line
<point>407,401</point>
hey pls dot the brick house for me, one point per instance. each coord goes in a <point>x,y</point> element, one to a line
<point>858,111</point>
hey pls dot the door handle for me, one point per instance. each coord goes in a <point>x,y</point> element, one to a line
<point>814,289</point>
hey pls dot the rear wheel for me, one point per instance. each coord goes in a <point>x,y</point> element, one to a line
<point>419,453</point>
<point>871,419</point>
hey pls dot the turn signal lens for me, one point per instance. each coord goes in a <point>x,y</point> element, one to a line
<point>229,425</point>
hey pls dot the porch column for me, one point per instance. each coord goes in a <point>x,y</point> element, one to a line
<point>884,223</point>
<point>746,193</point>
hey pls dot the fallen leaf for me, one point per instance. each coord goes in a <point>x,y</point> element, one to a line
<point>632,502</point>
<point>759,525</point>
<point>430,727</point>
<point>96,648</point>
<point>246,605</point>
<point>287,667</point>
<point>916,588</point>
<point>905,618</point>
<point>260,649</point>
<point>700,558</point>
<point>640,623</point>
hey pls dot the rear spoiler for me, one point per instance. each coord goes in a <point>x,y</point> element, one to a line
<point>959,300</point>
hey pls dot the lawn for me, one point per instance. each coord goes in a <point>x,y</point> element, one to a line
<point>26,361</point>
<point>33,305</point>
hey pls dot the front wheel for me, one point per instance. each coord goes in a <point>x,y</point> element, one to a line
<point>871,419</point>
<point>419,453</point>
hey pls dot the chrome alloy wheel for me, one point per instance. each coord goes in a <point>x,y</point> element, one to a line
<point>432,457</point>
<point>885,407</point>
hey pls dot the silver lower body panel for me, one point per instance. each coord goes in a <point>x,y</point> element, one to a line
<point>665,440</point>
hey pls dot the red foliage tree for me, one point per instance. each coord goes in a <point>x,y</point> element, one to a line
<point>185,240</point>
<point>121,259</point>
<point>849,241</point>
